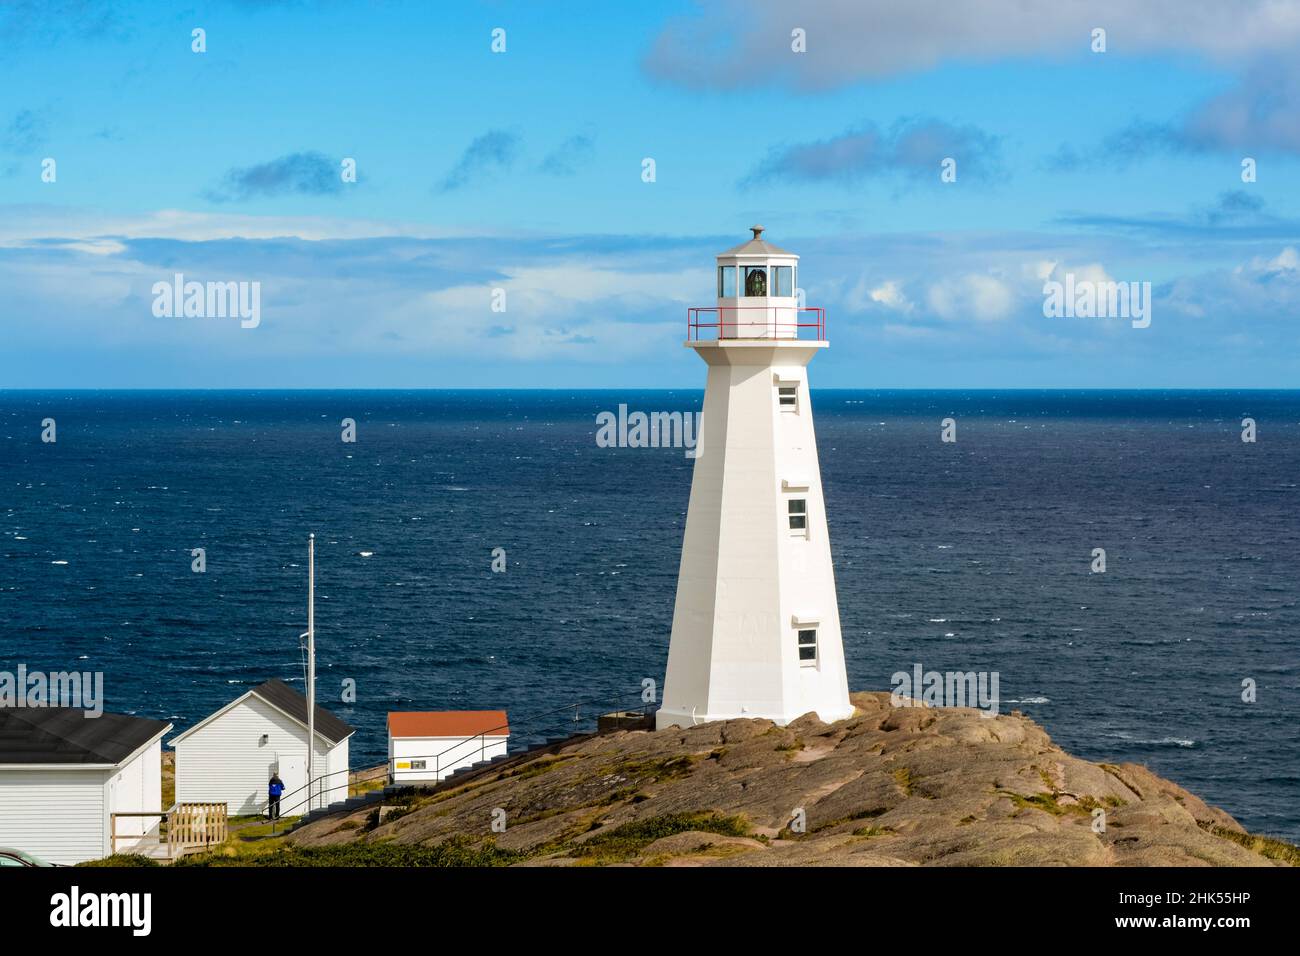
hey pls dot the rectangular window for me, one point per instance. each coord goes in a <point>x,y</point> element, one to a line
<point>417,765</point>
<point>783,281</point>
<point>787,396</point>
<point>756,281</point>
<point>726,282</point>
<point>808,646</point>
<point>798,514</point>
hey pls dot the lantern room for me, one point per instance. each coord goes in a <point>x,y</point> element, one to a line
<point>757,286</point>
<point>756,283</point>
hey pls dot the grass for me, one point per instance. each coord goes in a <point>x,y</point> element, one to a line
<point>360,788</point>
<point>1051,803</point>
<point>868,814</point>
<point>653,770</point>
<point>1046,802</point>
<point>266,828</point>
<point>123,860</point>
<point>168,778</point>
<point>1268,847</point>
<point>903,777</point>
<point>872,831</point>
<point>394,813</point>
<point>536,768</point>
<point>626,842</point>
<point>455,852</point>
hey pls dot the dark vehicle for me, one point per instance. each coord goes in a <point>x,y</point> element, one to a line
<point>11,857</point>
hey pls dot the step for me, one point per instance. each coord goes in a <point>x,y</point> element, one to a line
<point>392,790</point>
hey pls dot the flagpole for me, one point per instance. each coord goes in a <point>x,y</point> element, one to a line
<point>311,663</point>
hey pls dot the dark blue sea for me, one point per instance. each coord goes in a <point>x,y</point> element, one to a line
<point>972,556</point>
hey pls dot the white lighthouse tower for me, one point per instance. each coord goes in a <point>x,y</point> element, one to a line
<point>756,626</point>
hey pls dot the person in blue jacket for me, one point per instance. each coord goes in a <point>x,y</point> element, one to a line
<point>275,788</point>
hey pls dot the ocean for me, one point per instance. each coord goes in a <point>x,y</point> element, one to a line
<point>971,555</point>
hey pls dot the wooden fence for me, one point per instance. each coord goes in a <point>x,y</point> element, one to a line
<point>188,827</point>
<point>192,826</point>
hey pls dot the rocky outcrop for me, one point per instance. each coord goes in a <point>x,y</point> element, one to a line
<point>887,787</point>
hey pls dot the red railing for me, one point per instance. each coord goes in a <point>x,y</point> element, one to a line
<point>777,322</point>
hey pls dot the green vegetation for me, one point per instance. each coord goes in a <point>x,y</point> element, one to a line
<point>872,830</point>
<point>359,788</point>
<point>1051,803</point>
<point>620,844</point>
<point>168,779</point>
<point>456,852</point>
<point>1090,803</point>
<point>394,813</point>
<point>258,831</point>
<point>870,813</point>
<point>1268,847</point>
<point>1046,802</point>
<point>536,768</point>
<point>627,841</point>
<point>903,777</point>
<point>122,859</point>
<point>659,768</point>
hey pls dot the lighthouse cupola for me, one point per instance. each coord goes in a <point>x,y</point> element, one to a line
<point>757,285</point>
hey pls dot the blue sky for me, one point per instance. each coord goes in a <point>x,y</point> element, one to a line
<point>522,170</point>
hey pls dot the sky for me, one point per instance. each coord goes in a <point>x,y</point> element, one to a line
<point>504,146</point>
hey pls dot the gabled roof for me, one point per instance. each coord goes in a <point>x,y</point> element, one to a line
<point>290,703</point>
<point>448,723</point>
<point>65,735</point>
<point>280,695</point>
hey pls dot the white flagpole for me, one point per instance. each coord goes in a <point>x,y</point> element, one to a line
<point>311,663</point>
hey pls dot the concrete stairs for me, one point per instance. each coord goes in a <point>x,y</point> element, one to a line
<point>455,779</point>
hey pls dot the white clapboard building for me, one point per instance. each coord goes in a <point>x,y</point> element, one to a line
<point>756,624</point>
<point>426,746</point>
<point>63,775</point>
<point>229,756</point>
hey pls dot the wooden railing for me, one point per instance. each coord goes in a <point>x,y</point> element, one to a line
<point>195,826</point>
<point>190,827</point>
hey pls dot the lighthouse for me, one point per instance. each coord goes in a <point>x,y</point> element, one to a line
<point>756,624</point>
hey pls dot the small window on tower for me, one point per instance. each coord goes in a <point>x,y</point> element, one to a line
<point>726,282</point>
<point>417,765</point>
<point>798,514</point>
<point>808,647</point>
<point>787,396</point>
<point>783,281</point>
<point>756,281</point>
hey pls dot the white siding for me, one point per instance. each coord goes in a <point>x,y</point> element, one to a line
<point>441,755</point>
<point>336,785</point>
<point>135,788</point>
<point>226,762</point>
<point>59,815</point>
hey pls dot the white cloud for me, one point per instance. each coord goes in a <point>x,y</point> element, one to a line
<point>410,299</point>
<point>1288,260</point>
<point>22,224</point>
<point>983,298</point>
<point>890,294</point>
